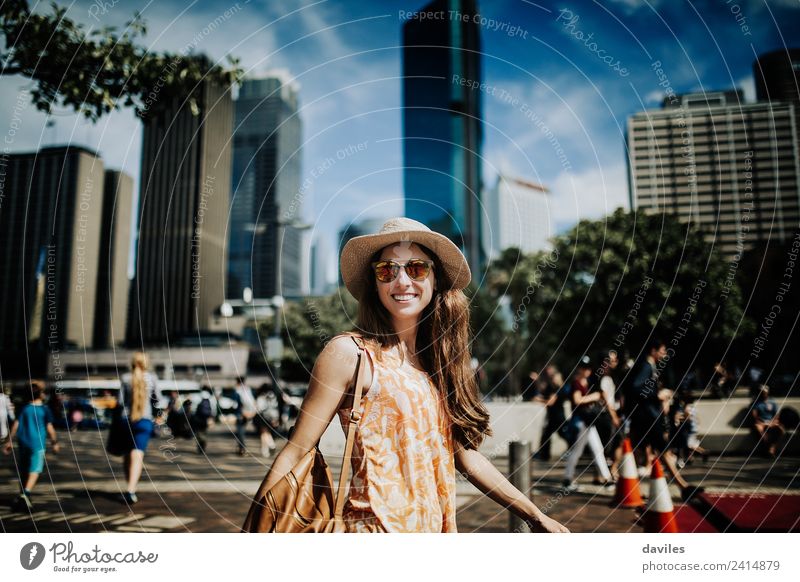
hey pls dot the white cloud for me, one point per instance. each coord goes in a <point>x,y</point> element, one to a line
<point>590,193</point>
<point>654,97</point>
<point>748,86</point>
<point>630,6</point>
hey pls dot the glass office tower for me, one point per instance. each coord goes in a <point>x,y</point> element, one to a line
<point>442,124</point>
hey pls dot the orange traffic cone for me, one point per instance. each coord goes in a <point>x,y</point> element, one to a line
<point>628,494</point>
<point>658,515</point>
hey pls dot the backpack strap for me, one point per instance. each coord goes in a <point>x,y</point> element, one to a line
<point>355,415</point>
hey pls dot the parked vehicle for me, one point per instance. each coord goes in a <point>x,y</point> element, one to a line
<point>185,389</point>
<point>86,404</point>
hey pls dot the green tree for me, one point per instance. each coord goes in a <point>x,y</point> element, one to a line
<point>306,326</point>
<point>488,336</point>
<point>97,71</point>
<point>615,282</point>
<point>630,276</point>
<point>511,282</point>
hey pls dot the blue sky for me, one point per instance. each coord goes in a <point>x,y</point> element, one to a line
<point>562,124</point>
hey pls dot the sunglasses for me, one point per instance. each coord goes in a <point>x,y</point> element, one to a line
<point>386,271</point>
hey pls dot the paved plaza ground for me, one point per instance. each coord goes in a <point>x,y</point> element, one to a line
<point>183,491</point>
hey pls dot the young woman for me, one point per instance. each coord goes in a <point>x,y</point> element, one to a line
<point>585,408</point>
<point>420,414</point>
<point>138,390</point>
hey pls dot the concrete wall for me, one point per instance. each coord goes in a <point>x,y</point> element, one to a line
<point>512,421</point>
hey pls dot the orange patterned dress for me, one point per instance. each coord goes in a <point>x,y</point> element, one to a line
<point>404,476</point>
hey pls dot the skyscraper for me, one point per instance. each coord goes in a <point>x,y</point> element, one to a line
<point>777,76</point>
<point>728,167</point>
<point>265,186</point>
<point>184,198</point>
<point>50,221</point>
<point>442,124</point>
<point>517,215</point>
<point>113,286</point>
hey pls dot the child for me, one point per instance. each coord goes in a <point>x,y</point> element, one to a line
<point>34,423</point>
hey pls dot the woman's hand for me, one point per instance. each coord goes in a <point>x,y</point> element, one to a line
<point>7,447</point>
<point>543,524</point>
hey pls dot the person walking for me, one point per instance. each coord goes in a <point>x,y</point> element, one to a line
<point>201,418</point>
<point>6,415</point>
<point>267,419</point>
<point>246,410</point>
<point>138,395</point>
<point>34,425</point>
<point>553,394</point>
<point>608,423</point>
<point>420,417</point>
<point>645,401</point>
<point>586,407</point>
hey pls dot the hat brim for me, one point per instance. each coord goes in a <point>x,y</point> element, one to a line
<point>357,253</point>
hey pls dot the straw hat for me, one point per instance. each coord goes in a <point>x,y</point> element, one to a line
<point>358,252</point>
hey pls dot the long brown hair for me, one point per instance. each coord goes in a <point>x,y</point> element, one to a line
<point>139,395</point>
<point>442,343</point>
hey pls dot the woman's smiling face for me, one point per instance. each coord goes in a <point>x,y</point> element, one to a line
<point>405,298</point>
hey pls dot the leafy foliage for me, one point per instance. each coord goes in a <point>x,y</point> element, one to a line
<point>307,325</point>
<point>98,71</point>
<point>614,283</point>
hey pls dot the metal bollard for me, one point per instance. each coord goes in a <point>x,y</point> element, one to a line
<point>519,468</point>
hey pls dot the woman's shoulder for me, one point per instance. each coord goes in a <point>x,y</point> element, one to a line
<point>345,345</point>
<point>351,341</point>
<point>341,353</point>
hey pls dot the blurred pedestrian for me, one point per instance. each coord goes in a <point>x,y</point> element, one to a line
<point>585,409</point>
<point>246,410</point>
<point>6,415</point>
<point>608,422</point>
<point>201,418</point>
<point>723,382</point>
<point>767,427</point>
<point>32,427</point>
<point>645,404</point>
<point>685,427</point>
<point>177,420</point>
<point>267,419</point>
<point>553,394</point>
<point>138,395</point>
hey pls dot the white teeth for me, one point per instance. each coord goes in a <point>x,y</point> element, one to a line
<point>403,297</point>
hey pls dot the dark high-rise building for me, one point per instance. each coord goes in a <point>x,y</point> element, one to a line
<point>111,312</point>
<point>777,76</point>
<point>442,124</point>
<point>181,255</point>
<point>266,198</point>
<point>50,222</point>
<point>729,168</point>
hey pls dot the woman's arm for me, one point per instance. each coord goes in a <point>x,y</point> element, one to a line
<point>7,448</point>
<point>330,378</point>
<point>485,476</point>
<point>579,399</point>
